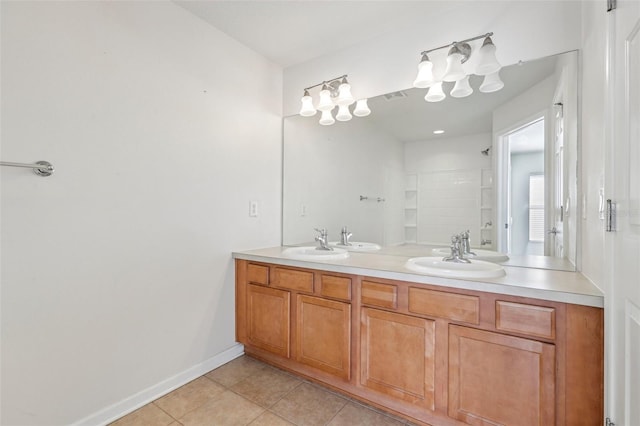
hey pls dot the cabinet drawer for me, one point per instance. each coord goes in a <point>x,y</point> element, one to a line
<point>335,287</point>
<point>452,306</point>
<point>534,320</point>
<point>293,279</point>
<point>258,274</point>
<point>382,295</point>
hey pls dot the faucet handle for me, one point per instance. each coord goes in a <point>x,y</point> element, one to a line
<point>323,232</point>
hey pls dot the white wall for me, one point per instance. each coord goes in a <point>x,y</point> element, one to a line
<point>523,30</point>
<point>527,106</point>
<point>328,168</point>
<point>116,270</point>
<point>461,152</point>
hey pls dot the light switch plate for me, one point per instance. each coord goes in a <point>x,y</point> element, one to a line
<point>253,208</point>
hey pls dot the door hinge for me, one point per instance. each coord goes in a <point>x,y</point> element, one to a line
<point>609,422</point>
<point>611,4</point>
<point>610,216</point>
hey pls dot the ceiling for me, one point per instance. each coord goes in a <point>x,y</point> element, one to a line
<point>291,32</point>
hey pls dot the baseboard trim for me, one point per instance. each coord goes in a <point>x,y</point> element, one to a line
<point>132,403</point>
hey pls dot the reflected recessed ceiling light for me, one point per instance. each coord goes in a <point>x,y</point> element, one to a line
<point>438,132</point>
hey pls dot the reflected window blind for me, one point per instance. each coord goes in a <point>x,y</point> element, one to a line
<point>536,208</point>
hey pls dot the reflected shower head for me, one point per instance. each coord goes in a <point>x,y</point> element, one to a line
<point>485,151</point>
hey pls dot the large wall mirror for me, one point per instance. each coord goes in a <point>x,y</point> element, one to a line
<point>505,168</point>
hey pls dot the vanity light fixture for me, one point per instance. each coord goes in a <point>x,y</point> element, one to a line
<point>487,56</point>
<point>334,92</point>
<point>425,73</point>
<point>459,53</point>
<point>491,83</point>
<point>307,109</point>
<point>362,108</point>
<point>343,113</point>
<point>462,88</point>
<point>435,93</point>
<point>327,119</point>
<point>438,132</point>
<point>325,103</point>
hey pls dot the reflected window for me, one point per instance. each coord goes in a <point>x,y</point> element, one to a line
<point>536,207</point>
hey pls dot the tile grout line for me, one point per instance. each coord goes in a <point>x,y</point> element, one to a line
<point>194,409</point>
<point>346,402</point>
<point>269,408</point>
<point>164,411</point>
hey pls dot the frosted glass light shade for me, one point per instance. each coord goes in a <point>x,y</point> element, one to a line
<point>462,88</point>
<point>454,71</point>
<point>425,73</point>
<point>491,83</point>
<point>487,62</point>
<point>343,113</point>
<point>435,93</point>
<point>327,119</point>
<point>307,109</point>
<point>344,94</point>
<point>361,109</point>
<point>325,103</point>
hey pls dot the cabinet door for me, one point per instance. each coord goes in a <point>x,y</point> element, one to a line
<point>268,319</point>
<point>500,380</point>
<point>323,335</point>
<point>398,356</point>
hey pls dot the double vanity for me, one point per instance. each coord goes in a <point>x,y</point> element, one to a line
<point>397,326</point>
<point>523,348</point>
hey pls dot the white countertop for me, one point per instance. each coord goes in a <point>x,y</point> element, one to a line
<point>558,286</point>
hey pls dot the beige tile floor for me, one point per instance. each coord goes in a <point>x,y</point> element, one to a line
<point>248,392</point>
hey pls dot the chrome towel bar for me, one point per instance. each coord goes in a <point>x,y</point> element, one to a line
<point>378,199</point>
<point>41,168</point>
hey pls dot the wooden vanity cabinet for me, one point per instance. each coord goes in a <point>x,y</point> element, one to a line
<point>483,391</point>
<point>323,335</point>
<point>431,354</point>
<point>295,314</point>
<point>398,356</point>
<point>268,319</point>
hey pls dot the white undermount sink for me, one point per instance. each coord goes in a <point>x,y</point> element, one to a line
<point>357,246</point>
<point>437,267</point>
<point>312,253</point>
<point>487,255</point>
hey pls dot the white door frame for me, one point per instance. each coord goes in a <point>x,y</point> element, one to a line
<point>622,246</point>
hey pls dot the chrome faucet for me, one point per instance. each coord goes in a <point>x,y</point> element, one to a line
<point>465,246</point>
<point>456,254</point>
<point>344,237</point>
<point>323,239</point>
